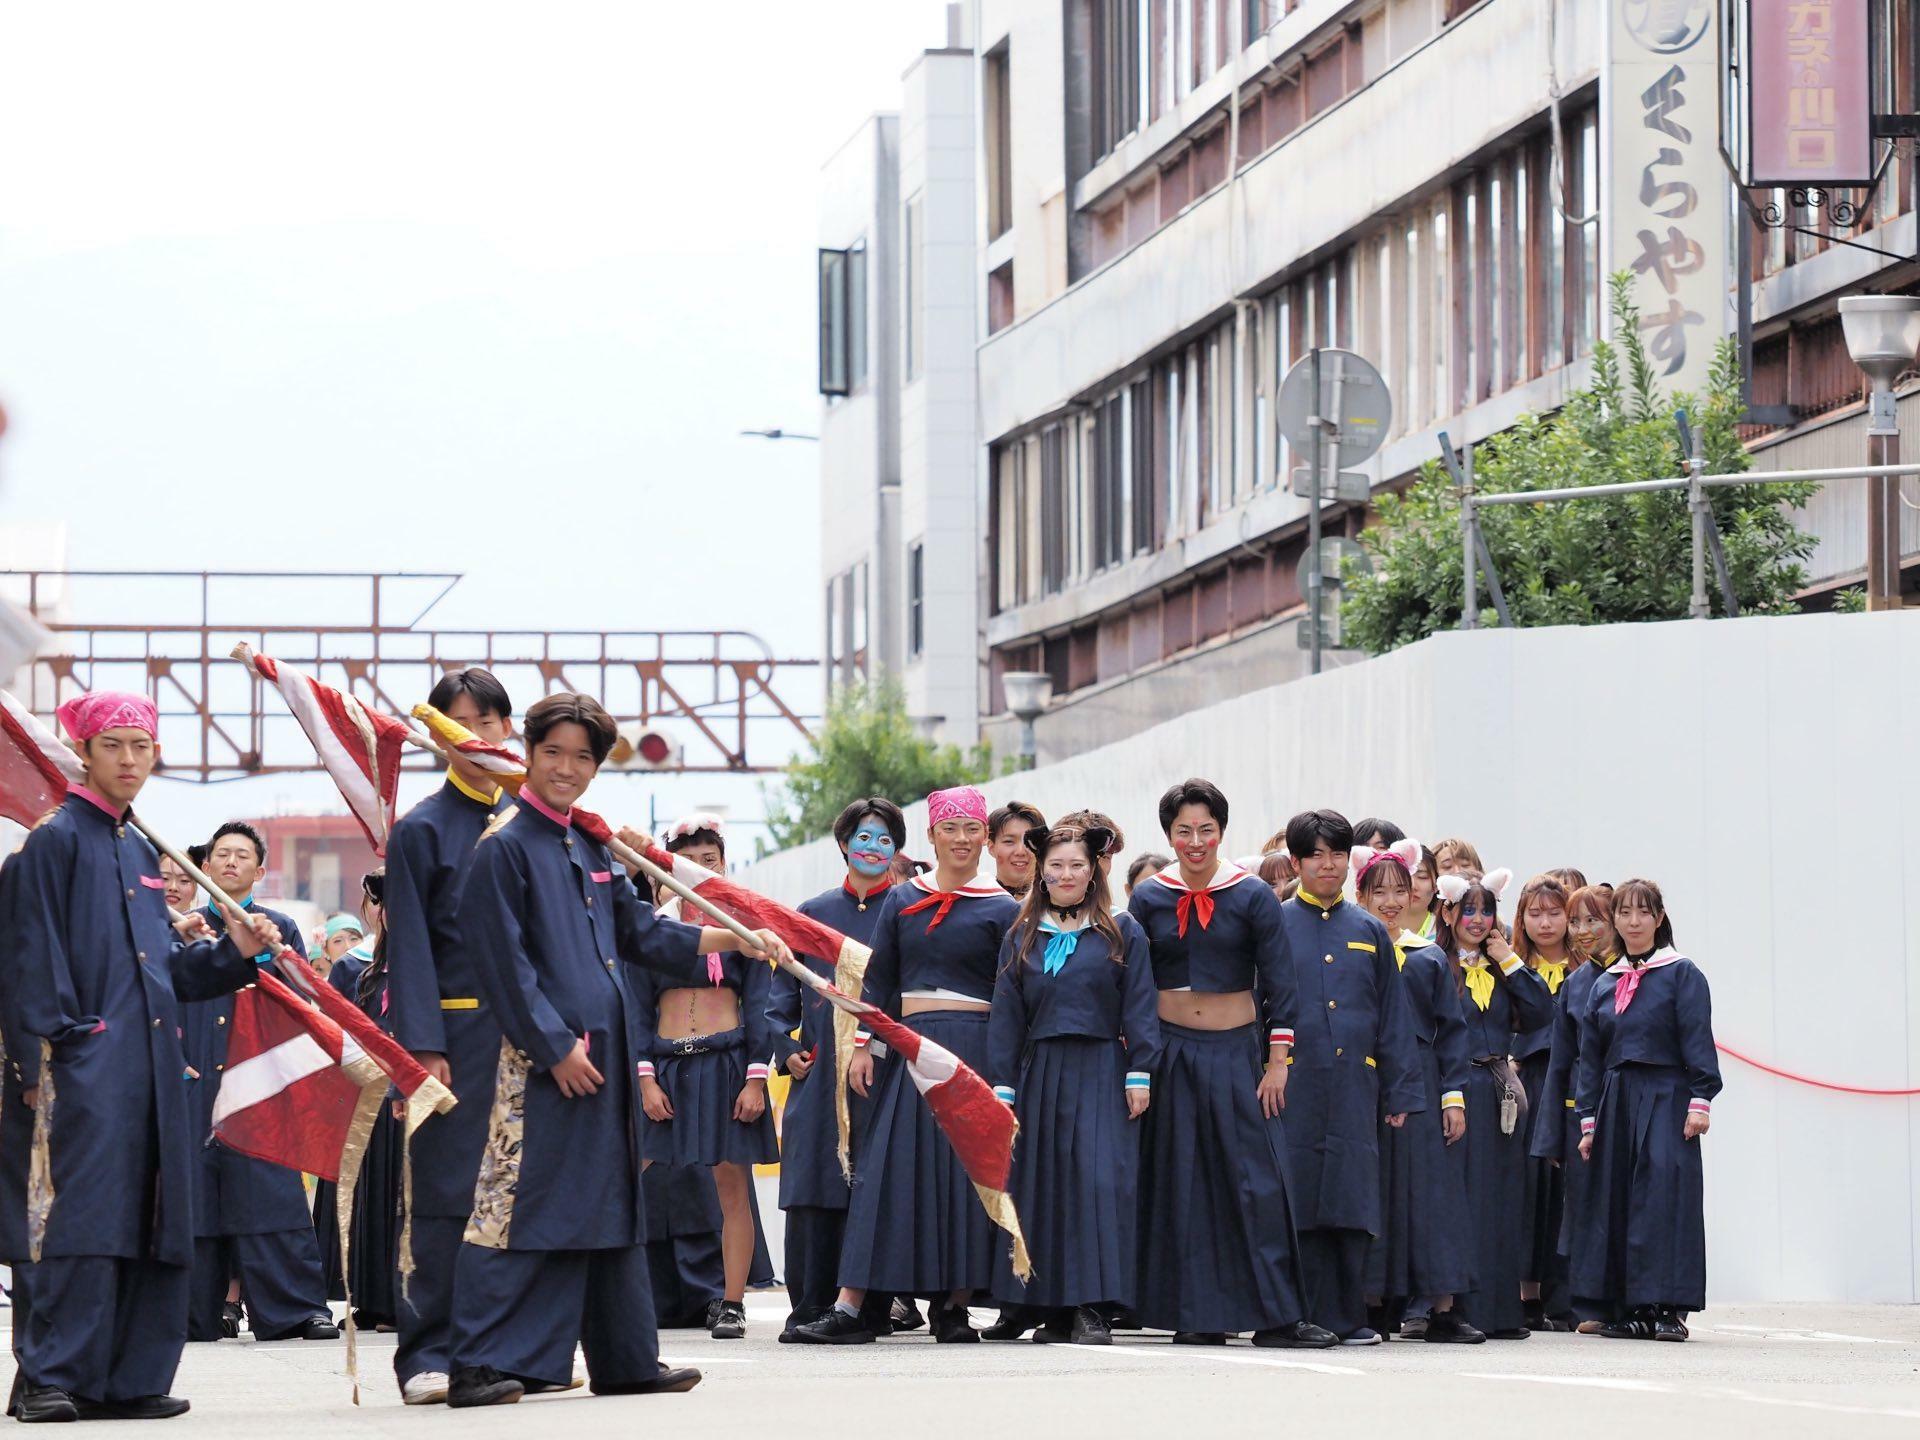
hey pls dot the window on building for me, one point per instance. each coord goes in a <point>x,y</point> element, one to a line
<point>857,316</point>
<point>836,369</point>
<point>833,636</point>
<point>1148,475</point>
<point>916,599</point>
<point>1107,485</point>
<point>997,98</point>
<point>857,615</point>
<point>1010,524</point>
<point>1000,298</point>
<point>1116,99</point>
<point>913,252</point>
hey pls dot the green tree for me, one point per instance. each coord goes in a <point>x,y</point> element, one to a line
<point>868,746</point>
<point>1584,562</point>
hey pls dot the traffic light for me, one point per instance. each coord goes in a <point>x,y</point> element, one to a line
<point>645,747</point>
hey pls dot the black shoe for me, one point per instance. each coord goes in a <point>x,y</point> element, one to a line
<point>836,1327</point>
<point>905,1315</point>
<point>1667,1324</point>
<point>730,1323</point>
<point>951,1325</point>
<point>1055,1329</point>
<point>1514,1332</point>
<point>481,1385</point>
<point>1199,1337</point>
<point>1533,1314</point>
<point>230,1317</point>
<point>1445,1327</point>
<point>1122,1317</point>
<point>1014,1322</point>
<point>675,1381</point>
<point>1414,1327</point>
<point>714,1307</point>
<point>146,1407</point>
<point>1301,1335</point>
<point>1089,1328</point>
<point>44,1404</point>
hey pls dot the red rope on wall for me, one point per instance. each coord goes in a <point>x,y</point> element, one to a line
<point>1808,1079</point>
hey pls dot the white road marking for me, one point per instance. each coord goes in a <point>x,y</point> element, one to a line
<point>1594,1382</point>
<point>1784,1332</point>
<point>1728,1393</point>
<point>1204,1352</point>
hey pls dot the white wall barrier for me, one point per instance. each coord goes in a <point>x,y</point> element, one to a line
<point>1762,770</point>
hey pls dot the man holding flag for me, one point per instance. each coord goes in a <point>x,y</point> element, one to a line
<point>554,1253</point>
<point>435,1011</point>
<point>105,1226</point>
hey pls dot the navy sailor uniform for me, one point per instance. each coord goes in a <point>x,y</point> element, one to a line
<point>1545,1200</point>
<point>1074,1026</point>
<point>554,1251</point>
<point>1423,1249</point>
<point>1556,1128</point>
<point>435,1005</point>
<point>1353,1060</point>
<point>97,983</point>
<point>1216,1238</point>
<point>1643,1068</point>
<point>703,1075</point>
<point>251,1217</point>
<point>813,1191</point>
<point>914,1223</point>
<point>1516,1001</point>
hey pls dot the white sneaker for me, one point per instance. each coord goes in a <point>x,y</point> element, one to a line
<point>429,1387</point>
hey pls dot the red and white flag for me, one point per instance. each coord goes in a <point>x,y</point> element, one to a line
<point>36,766</point>
<point>360,748</point>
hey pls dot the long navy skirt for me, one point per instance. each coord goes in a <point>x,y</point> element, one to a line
<point>1075,1177</point>
<point>1423,1249</point>
<point>702,1089</point>
<point>1216,1238</point>
<point>1496,1167</point>
<point>1643,1238</point>
<point>1546,1193</point>
<point>914,1224</point>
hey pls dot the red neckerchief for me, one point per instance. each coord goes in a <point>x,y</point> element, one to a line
<point>1194,902</point>
<point>1630,975</point>
<point>943,898</point>
<point>1198,902</point>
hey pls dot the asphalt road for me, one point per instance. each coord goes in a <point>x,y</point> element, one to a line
<point>1751,1371</point>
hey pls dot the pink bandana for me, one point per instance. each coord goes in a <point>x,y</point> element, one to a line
<point>85,716</point>
<point>962,802</point>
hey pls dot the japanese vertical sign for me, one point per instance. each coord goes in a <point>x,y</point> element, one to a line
<point>1665,195</point>
<point>1810,89</point>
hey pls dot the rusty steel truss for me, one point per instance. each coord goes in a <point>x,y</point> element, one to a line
<point>710,692</point>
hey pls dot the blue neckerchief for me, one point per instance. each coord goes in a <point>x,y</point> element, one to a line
<point>1060,945</point>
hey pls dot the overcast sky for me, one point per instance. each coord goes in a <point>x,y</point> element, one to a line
<point>432,286</point>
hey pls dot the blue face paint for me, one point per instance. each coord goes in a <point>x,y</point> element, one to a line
<point>870,851</point>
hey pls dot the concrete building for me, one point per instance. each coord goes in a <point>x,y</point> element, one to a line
<point>900,540</point>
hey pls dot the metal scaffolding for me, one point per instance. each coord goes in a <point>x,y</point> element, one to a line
<point>712,692</point>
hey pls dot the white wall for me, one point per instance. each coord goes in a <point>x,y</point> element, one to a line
<point>1759,769</point>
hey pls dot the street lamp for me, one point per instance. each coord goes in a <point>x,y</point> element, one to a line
<point>1028,693</point>
<point>1883,336</point>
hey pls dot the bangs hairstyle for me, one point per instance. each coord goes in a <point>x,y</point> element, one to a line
<point>565,707</point>
<point>697,837</point>
<point>240,828</point>
<point>1277,868</point>
<point>1308,830</point>
<point>488,694</point>
<point>1570,878</point>
<point>1192,792</point>
<point>1463,849</point>
<point>1364,831</point>
<point>1151,863</point>
<point>1014,810</point>
<point>1480,897</point>
<point>1377,872</point>
<point>1592,900</point>
<point>1646,894</point>
<point>1026,925</point>
<point>1539,887</point>
<point>882,809</point>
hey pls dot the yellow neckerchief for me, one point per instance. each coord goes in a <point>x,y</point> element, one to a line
<point>1479,980</point>
<point>467,790</point>
<point>1399,956</point>
<point>1325,907</point>
<point>1554,972</point>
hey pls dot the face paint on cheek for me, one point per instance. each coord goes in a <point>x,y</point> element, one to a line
<point>870,854</point>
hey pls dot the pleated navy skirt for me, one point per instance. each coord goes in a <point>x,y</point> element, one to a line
<point>1075,1177</point>
<point>1546,1192</point>
<point>702,1089</point>
<point>810,1173</point>
<point>1643,1237</point>
<point>1423,1249</point>
<point>1216,1236</point>
<point>914,1224</point>
<point>1496,1167</point>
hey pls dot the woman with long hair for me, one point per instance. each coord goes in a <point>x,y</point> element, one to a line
<point>1072,1042</point>
<point>914,1225</point>
<point>1540,940</point>
<point>1556,1129</point>
<point>1423,1250</point>
<point>1648,1075</point>
<point>1499,999</point>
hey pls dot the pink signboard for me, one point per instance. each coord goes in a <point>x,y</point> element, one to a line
<point>1809,72</point>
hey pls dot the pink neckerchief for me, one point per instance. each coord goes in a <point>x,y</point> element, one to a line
<point>1630,975</point>
<point>92,799</point>
<point>1198,903</point>
<point>562,818</point>
<point>944,898</point>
